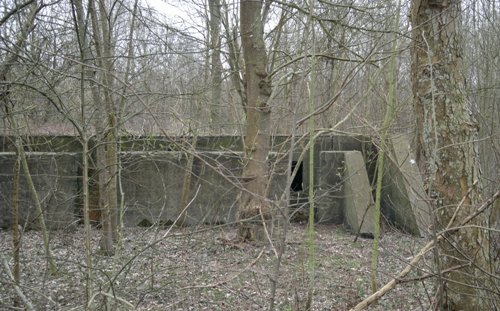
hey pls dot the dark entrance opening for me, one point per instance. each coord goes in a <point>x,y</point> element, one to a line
<point>297,182</point>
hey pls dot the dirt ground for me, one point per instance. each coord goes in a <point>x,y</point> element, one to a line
<point>204,268</point>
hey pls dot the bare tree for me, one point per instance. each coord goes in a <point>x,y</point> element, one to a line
<point>216,64</point>
<point>447,151</point>
<point>11,115</point>
<point>257,141</point>
<point>102,34</point>
<point>233,53</point>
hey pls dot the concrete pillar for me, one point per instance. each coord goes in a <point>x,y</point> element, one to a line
<point>345,193</point>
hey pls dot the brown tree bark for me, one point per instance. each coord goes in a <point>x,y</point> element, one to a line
<point>255,177</point>
<point>102,37</point>
<point>447,152</point>
<point>216,65</point>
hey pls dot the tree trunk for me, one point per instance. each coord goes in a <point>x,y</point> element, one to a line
<point>186,182</point>
<point>5,69</point>
<point>81,21</point>
<point>102,38</point>
<point>392,73</point>
<point>446,131</point>
<point>216,65</point>
<point>38,206</point>
<point>233,57</point>
<point>253,204</point>
<point>16,238</point>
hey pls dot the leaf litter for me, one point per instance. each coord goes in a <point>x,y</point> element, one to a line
<point>207,268</point>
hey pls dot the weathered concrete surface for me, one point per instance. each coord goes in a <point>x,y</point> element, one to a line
<point>42,143</point>
<point>55,176</point>
<point>330,188</point>
<point>359,207</point>
<point>348,191</point>
<point>404,201</point>
<point>152,183</point>
<point>334,143</point>
<point>154,167</point>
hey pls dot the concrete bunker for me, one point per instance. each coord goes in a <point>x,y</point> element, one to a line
<point>153,169</point>
<point>55,177</point>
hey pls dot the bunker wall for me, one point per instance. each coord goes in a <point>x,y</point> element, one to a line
<point>153,183</point>
<point>55,177</point>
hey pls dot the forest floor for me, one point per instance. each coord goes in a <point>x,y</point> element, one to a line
<point>205,268</point>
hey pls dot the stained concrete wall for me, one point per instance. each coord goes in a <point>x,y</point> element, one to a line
<point>337,143</point>
<point>42,143</point>
<point>153,170</point>
<point>152,183</point>
<point>330,187</point>
<point>345,194</point>
<point>55,177</point>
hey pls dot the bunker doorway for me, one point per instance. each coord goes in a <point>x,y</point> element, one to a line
<point>297,182</point>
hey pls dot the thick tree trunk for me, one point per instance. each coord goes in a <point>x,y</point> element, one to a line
<point>253,204</point>
<point>447,151</point>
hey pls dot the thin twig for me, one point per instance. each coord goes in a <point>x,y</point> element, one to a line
<point>213,285</point>
<point>125,302</point>
<point>430,275</point>
<point>397,279</point>
<point>18,290</point>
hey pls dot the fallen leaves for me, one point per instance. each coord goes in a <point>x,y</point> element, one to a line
<point>203,268</point>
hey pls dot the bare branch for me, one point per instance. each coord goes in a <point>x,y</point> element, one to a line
<point>398,278</point>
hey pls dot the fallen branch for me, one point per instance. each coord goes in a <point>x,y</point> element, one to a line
<point>18,290</point>
<point>398,278</point>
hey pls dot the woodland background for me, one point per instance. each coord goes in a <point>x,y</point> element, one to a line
<point>105,69</point>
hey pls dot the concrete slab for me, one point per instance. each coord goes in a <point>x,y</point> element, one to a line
<point>348,193</point>
<point>55,176</point>
<point>404,200</point>
<point>152,182</point>
<point>330,189</point>
<point>359,207</point>
<point>153,170</point>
